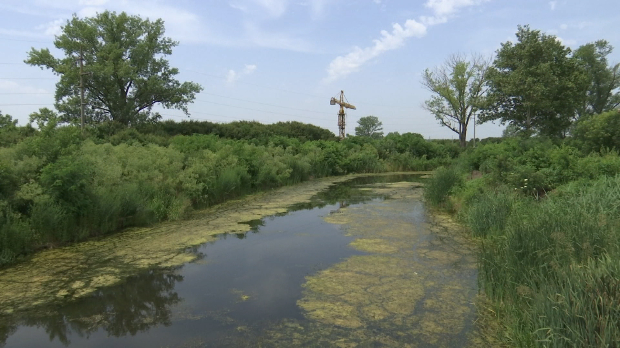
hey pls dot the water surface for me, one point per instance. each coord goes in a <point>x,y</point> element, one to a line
<point>263,286</point>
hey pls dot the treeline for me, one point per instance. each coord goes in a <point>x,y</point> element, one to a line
<point>57,186</point>
<point>240,130</point>
<point>535,86</point>
<point>546,214</point>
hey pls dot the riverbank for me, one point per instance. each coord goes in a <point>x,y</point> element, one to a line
<point>548,259</point>
<point>403,276</point>
<point>77,270</point>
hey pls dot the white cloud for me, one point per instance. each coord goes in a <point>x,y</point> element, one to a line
<point>14,87</point>
<point>442,10</point>
<point>564,26</point>
<point>239,7</point>
<point>255,36</point>
<point>553,4</point>
<point>52,28</point>
<point>566,42</point>
<point>233,76</point>
<point>275,8</point>
<point>345,65</point>
<point>21,33</point>
<point>249,68</point>
<point>93,2</point>
<point>318,7</point>
<point>181,24</point>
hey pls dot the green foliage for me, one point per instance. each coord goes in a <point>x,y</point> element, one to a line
<point>549,264</point>
<point>597,133</point>
<point>127,73</point>
<point>258,133</point>
<point>57,188</point>
<point>438,188</point>
<point>486,213</point>
<point>535,84</point>
<point>10,133</point>
<point>602,92</point>
<point>458,88</point>
<point>556,261</point>
<point>369,126</point>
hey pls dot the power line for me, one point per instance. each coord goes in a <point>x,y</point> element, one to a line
<point>28,78</point>
<point>26,104</point>
<point>277,106</point>
<point>290,91</point>
<point>10,39</point>
<point>256,85</point>
<point>5,93</point>
<point>269,112</point>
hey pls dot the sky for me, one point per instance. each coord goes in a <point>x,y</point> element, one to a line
<point>282,60</point>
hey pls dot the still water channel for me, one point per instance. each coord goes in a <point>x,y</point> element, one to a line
<point>360,264</point>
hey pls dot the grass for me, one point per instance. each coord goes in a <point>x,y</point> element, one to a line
<point>441,185</point>
<point>554,265</point>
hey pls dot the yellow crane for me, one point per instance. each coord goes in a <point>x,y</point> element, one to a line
<point>341,113</point>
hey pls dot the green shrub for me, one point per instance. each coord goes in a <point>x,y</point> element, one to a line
<point>441,185</point>
<point>598,132</point>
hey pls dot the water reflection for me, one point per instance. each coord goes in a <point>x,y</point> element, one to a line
<point>134,306</point>
<point>270,268</point>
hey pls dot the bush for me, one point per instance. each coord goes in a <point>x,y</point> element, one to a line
<point>441,185</point>
<point>597,133</point>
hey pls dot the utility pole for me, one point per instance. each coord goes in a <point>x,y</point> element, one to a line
<point>474,130</point>
<point>82,89</point>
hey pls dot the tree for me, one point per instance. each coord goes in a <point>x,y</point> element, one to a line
<point>125,70</point>
<point>459,88</point>
<point>535,85</point>
<point>369,126</point>
<point>46,119</point>
<point>598,132</point>
<point>602,93</point>
<point>7,122</point>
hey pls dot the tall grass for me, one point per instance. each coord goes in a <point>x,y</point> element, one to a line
<point>438,188</point>
<point>554,264</point>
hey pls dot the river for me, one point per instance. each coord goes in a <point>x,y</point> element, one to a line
<point>348,262</point>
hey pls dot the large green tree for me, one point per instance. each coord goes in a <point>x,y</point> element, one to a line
<point>369,126</point>
<point>535,84</point>
<point>125,69</point>
<point>603,89</point>
<point>459,92</point>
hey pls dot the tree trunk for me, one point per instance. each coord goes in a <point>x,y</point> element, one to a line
<point>463,137</point>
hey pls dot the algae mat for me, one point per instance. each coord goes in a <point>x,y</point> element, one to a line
<point>73,272</point>
<point>414,288</point>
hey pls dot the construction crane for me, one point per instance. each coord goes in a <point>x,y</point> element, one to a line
<point>341,113</point>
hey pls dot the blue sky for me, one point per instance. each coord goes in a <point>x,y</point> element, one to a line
<point>281,60</point>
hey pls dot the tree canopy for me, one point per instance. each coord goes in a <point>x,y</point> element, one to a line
<point>369,126</point>
<point>125,70</point>
<point>459,92</point>
<point>602,93</point>
<point>535,84</point>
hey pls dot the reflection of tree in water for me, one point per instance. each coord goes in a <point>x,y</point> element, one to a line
<point>136,305</point>
<point>344,193</point>
<point>6,330</point>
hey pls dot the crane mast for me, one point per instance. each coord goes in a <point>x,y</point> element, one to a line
<point>341,113</point>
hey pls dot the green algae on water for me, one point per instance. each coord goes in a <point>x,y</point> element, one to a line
<point>409,288</point>
<point>77,271</point>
